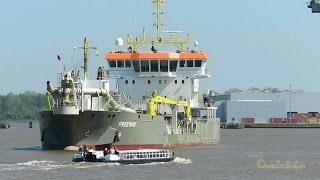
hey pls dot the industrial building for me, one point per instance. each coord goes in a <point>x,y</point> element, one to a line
<point>266,107</point>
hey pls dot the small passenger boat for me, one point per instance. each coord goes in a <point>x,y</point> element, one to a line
<point>126,156</point>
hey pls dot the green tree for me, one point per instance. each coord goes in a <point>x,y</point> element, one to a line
<point>254,89</point>
<point>233,90</point>
<point>22,106</point>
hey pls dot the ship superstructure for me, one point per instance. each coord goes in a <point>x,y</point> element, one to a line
<point>156,102</point>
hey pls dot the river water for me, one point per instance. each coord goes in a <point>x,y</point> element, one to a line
<point>241,154</point>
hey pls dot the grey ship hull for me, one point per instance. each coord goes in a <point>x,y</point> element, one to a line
<point>124,130</point>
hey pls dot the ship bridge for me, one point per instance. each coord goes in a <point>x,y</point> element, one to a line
<point>160,64</point>
<point>174,74</point>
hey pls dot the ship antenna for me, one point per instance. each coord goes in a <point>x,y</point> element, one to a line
<point>158,20</point>
<point>137,42</point>
<point>85,48</point>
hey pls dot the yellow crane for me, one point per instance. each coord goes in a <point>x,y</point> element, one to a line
<point>156,99</point>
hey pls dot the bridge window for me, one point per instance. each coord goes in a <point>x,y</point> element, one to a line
<point>128,63</point>
<point>160,81</point>
<point>112,63</point>
<point>163,66</point>
<point>197,63</point>
<point>165,81</point>
<point>120,63</point>
<point>173,66</point>
<point>154,66</point>
<point>190,63</point>
<point>126,81</point>
<point>182,62</point>
<point>136,66</point>
<point>133,81</point>
<point>144,66</point>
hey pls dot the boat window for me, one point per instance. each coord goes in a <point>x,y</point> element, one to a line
<point>197,63</point>
<point>165,81</point>
<point>163,66</point>
<point>182,81</point>
<point>173,66</point>
<point>145,66</point>
<point>160,81</point>
<point>112,63</point>
<point>190,63</point>
<point>128,63</point>
<point>154,66</point>
<point>120,63</point>
<point>136,66</point>
<point>149,81</point>
<point>126,81</point>
<point>133,81</point>
<point>182,62</point>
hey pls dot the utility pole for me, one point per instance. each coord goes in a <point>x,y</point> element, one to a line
<point>290,104</point>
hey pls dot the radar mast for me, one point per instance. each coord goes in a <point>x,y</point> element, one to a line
<point>172,40</point>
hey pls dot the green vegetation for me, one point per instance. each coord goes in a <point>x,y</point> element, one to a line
<point>23,106</point>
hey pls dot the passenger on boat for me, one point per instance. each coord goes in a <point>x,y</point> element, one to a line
<point>81,148</point>
<point>85,148</point>
<point>105,151</point>
<point>112,151</point>
<point>91,150</point>
<point>116,150</point>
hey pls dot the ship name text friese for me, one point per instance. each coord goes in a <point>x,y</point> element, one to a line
<point>127,124</point>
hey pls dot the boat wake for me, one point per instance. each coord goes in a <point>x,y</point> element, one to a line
<point>85,165</point>
<point>182,160</point>
<point>32,165</point>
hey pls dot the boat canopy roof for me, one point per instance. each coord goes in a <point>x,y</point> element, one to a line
<point>111,56</point>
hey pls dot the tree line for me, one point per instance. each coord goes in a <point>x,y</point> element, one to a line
<point>23,106</point>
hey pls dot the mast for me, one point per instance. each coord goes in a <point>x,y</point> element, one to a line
<point>85,48</point>
<point>158,19</point>
<point>171,40</point>
<point>85,59</point>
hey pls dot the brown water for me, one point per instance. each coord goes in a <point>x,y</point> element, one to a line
<point>279,153</point>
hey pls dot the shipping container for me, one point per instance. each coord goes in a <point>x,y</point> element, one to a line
<point>247,120</point>
<point>313,120</point>
<point>277,120</point>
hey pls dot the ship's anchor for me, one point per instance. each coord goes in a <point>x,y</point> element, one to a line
<point>87,133</point>
<point>116,137</point>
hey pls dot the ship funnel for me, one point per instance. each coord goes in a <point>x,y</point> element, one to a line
<point>49,87</point>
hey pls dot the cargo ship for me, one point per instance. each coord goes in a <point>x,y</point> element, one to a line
<point>143,99</point>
